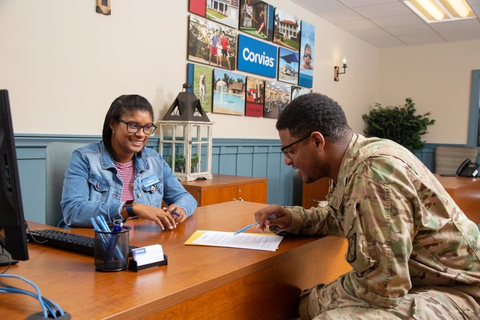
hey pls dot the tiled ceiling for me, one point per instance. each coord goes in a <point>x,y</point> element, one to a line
<point>390,23</point>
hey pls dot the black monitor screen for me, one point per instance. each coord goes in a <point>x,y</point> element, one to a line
<point>12,221</point>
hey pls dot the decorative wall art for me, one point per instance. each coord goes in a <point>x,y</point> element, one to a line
<point>256,56</point>
<point>287,30</point>
<point>277,96</point>
<point>103,7</point>
<point>201,79</point>
<point>211,43</point>
<point>198,7</point>
<point>257,18</point>
<point>223,11</point>
<point>255,97</point>
<point>288,65</point>
<point>307,52</point>
<point>298,91</point>
<point>215,47</point>
<point>228,92</point>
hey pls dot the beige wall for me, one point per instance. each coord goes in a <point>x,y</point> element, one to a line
<point>438,79</point>
<point>63,64</point>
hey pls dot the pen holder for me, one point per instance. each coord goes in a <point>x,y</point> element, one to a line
<point>111,250</point>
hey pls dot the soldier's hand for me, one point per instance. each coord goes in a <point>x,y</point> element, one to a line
<point>273,215</point>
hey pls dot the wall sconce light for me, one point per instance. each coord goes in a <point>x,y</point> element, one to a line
<point>336,70</point>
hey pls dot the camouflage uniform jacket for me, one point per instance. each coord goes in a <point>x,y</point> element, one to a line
<point>403,229</point>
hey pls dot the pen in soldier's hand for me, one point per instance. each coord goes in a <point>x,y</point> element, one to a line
<point>251,225</point>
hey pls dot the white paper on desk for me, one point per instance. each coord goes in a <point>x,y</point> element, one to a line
<point>148,254</point>
<point>256,241</point>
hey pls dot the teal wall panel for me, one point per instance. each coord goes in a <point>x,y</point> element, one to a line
<point>32,183</point>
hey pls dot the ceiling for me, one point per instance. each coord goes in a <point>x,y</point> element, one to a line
<point>390,23</point>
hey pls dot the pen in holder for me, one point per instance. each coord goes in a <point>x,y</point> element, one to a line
<point>111,246</point>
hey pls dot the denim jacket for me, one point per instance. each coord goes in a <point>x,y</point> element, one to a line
<point>93,187</point>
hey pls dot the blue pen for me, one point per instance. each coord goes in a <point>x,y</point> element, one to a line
<point>175,213</point>
<point>112,243</point>
<point>103,238</point>
<point>250,225</point>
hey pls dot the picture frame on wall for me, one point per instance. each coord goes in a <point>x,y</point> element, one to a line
<point>228,92</point>
<point>198,7</point>
<point>288,64</point>
<point>277,96</point>
<point>211,43</point>
<point>287,30</point>
<point>298,91</point>
<point>201,79</point>
<point>255,97</point>
<point>307,54</point>
<point>223,11</point>
<point>257,19</point>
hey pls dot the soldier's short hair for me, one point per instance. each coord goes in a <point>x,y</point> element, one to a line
<point>314,112</point>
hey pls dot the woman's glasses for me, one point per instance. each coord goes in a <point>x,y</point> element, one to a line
<point>134,127</point>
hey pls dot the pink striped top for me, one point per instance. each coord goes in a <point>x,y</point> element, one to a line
<point>127,175</point>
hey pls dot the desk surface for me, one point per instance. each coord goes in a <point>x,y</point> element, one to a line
<point>466,194</point>
<point>453,183</point>
<point>198,282</point>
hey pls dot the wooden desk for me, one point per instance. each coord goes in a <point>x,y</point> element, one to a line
<point>198,283</point>
<point>224,188</point>
<point>465,192</point>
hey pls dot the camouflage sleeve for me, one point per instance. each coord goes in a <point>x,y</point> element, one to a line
<point>314,221</point>
<point>378,223</point>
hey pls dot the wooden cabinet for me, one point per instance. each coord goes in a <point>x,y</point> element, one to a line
<point>314,192</point>
<point>223,188</point>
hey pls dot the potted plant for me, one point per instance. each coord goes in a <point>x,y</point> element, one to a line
<point>180,162</point>
<point>398,123</point>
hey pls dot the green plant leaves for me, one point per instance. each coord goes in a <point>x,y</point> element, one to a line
<point>398,123</point>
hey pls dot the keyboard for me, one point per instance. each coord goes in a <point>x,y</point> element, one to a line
<point>65,240</point>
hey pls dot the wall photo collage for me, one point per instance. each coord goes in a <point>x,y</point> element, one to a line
<point>251,36</point>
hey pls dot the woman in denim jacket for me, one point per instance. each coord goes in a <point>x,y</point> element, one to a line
<point>120,178</point>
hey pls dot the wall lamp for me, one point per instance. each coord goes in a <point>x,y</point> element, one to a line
<point>336,70</point>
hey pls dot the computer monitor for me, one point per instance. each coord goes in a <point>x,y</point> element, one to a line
<point>13,237</point>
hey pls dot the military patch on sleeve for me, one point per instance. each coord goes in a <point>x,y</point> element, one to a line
<point>352,248</point>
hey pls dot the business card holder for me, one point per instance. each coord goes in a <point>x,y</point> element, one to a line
<point>134,266</point>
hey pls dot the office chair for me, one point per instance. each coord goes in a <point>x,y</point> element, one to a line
<point>57,157</point>
<point>448,159</point>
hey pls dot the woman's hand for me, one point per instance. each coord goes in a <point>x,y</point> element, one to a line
<point>178,214</point>
<point>161,217</point>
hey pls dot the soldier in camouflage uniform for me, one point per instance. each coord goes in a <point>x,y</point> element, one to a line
<point>414,253</point>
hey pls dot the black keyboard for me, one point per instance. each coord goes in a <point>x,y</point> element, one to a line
<point>65,240</point>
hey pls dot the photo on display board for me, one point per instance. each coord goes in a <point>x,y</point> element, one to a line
<point>307,51</point>
<point>228,92</point>
<point>201,79</point>
<point>198,7</point>
<point>255,97</point>
<point>211,43</point>
<point>298,91</point>
<point>224,12</point>
<point>287,30</point>
<point>277,96</point>
<point>256,18</point>
<point>288,63</point>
